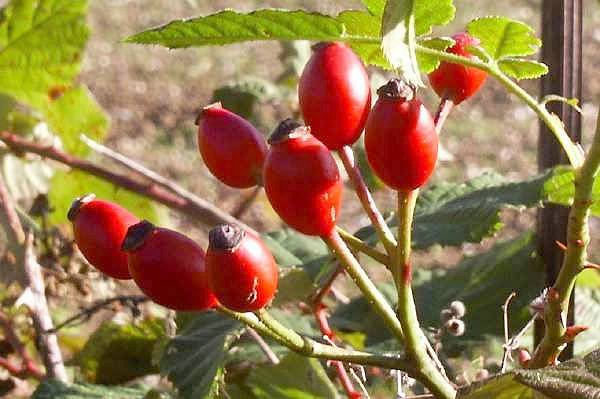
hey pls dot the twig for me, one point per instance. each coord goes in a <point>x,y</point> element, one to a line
<point>23,245</point>
<point>197,208</point>
<point>28,367</point>
<point>40,314</point>
<point>506,354</point>
<point>263,346</point>
<point>87,313</point>
<point>442,113</point>
<point>246,203</point>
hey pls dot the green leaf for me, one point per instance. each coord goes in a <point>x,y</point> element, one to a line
<point>574,379</point>
<point>375,7</point>
<point>498,387</point>
<point>428,63</point>
<point>296,377</point>
<point>192,359</point>
<point>560,189</point>
<point>450,214</point>
<point>228,26</point>
<point>53,389</point>
<point>291,248</point>
<point>398,39</point>
<point>429,13</point>
<point>41,45</point>
<point>74,113</point>
<point>503,37</point>
<point>115,353</point>
<point>522,69</point>
<point>66,186</point>
<point>363,24</point>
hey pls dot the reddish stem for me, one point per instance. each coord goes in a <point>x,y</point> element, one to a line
<point>28,367</point>
<point>320,313</point>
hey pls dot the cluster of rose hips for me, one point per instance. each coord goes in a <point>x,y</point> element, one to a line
<point>298,172</point>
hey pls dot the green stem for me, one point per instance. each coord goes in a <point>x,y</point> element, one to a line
<point>578,238</point>
<point>359,245</point>
<point>267,326</point>
<point>552,121</point>
<point>366,199</point>
<point>416,344</point>
<point>364,283</point>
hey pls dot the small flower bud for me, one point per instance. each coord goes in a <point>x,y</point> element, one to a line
<point>458,309</point>
<point>455,327</point>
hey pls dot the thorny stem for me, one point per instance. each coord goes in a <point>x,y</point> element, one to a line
<point>578,238</point>
<point>366,199</point>
<point>416,344</point>
<point>267,326</point>
<point>358,245</point>
<point>364,283</point>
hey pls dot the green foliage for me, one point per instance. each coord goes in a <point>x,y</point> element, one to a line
<point>73,113</point>
<point>41,46</point>
<point>241,97</point>
<point>193,358</point>
<point>560,189</point>
<point>574,379</point>
<point>587,313</point>
<point>295,377</point>
<point>504,40</point>
<point>450,214</point>
<point>482,282</point>
<point>67,186</point>
<point>429,63</point>
<point>53,389</point>
<point>115,353</point>
<point>430,13</point>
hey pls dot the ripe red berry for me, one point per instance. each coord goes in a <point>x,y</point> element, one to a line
<point>302,180</point>
<point>99,228</point>
<point>241,270</point>
<point>168,267</point>
<point>400,138</point>
<point>232,149</point>
<point>334,95</point>
<point>458,82</point>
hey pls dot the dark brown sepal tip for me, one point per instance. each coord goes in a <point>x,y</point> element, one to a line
<point>225,237</point>
<point>319,45</point>
<point>77,204</point>
<point>287,129</point>
<point>204,109</point>
<point>397,89</point>
<point>136,235</point>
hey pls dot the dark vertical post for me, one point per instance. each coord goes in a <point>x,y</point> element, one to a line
<point>561,51</point>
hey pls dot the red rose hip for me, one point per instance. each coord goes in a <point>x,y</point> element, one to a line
<point>231,147</point>
<point>302,181</point>
<point>241,270</point>
<point>168,267</point>
<point>334,95</point>
<point>400,138</point>
<point>455,81</point>
<point>99,228</point>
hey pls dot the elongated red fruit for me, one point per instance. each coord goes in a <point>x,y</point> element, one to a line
<point>302,180</point>
<point>241,270</point>
<point>231,147</point>
<point>400,138</point>
<point>99,228</point>
<point>168,267</point>
<point>458,82</point>
<point>334,95</point>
